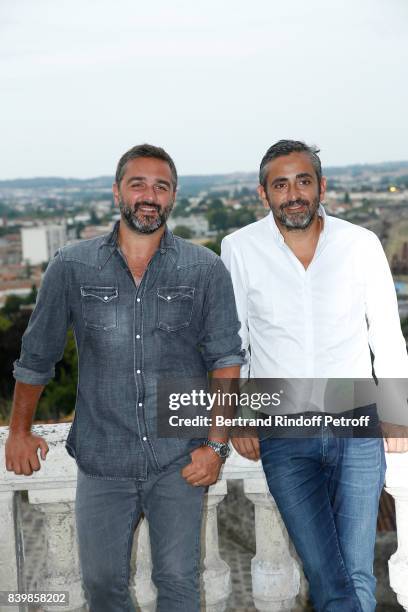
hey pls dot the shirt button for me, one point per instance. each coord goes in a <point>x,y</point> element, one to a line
<point>105,298</point>
<point>140,404</point>
<point>137,371</point>
<point>169,297</point>
<point>137,336</point>
<point>137,299</point>
<point>144,438</point>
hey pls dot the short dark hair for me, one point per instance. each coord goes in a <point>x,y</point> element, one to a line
<point>145,150</point>
<point>286,147</point>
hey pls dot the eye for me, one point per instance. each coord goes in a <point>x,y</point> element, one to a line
<point>137,185</point>
<point>305,181</point>
<point>279,185</point>
<point>161,187</point>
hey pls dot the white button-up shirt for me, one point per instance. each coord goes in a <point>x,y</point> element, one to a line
<point>320,322</point>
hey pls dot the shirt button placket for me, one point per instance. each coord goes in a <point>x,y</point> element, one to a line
<point>309,324</point>
<point>138,350</point>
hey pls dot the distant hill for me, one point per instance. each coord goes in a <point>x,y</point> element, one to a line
<point>188,185</point>
<point>193,184</point>
<point>357,169</point>
<point>50,182</point>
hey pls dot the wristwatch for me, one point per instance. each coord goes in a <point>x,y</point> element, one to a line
<point>222,450</point>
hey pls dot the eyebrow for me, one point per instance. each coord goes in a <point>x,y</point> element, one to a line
<point>281,179</point>
<point>143,178</point>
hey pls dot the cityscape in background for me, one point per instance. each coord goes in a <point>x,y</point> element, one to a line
<point>37,216</point>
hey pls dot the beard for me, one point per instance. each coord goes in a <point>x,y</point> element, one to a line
<point>296,220</point>
<point>140,222</point>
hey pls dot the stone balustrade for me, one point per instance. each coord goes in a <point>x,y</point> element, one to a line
<point>276,576</point>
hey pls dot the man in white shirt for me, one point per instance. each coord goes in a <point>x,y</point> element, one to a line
<point>314,294</point>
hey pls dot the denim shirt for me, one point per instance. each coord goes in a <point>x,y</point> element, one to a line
<point>180,321</point>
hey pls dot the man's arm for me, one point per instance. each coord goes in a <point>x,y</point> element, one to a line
<point>22,446</point>
<point>384,327</point>
<point>221,350</point>
<point>235,267</point>
<point>42,346</point>
<point>386,341</point>
<point>205,463</point>
<point>247,446</point>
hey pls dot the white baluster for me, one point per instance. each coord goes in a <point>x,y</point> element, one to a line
<point>8,560</point>
<point>62,562</point>
<point>143,588</point>
<point>275,573</point>
<point>397,486</point>
<point>217,574</point>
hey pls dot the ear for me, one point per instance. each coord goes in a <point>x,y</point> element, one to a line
<point>115,191</point>
<point>323,187</point>
<point>262,194</point>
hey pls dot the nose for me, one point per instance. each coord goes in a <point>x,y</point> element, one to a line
<point>148,194</point>
<point>293,191</point>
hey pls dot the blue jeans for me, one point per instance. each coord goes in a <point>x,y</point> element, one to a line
<point>107,513</point>
<point>327,490</point>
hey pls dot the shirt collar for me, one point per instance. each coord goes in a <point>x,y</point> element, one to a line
<point>111,240</point>
<point>277,233</point>
<point>166,242</point>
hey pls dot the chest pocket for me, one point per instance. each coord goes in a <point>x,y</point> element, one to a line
<point>175,307</point>
<point>100,307</point>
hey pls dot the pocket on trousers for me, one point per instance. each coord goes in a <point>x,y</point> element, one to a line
<point>174,307</point>
<point>100,307</point>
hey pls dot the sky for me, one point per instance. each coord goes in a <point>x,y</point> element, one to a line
<point>215,83</point>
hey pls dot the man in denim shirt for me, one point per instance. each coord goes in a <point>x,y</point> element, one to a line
<point>145,306</point>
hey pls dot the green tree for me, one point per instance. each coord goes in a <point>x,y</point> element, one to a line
<point>215,204</point>
<point>12,328</point>
<point>12,304</point>
<point>215,245</point>
<point>183,232</point>
<point>241,217</point>
<point>181,208</point>
<point>5,323</point>
<point>32,296</point>
<point>218,219</point>
<point>94,220</point>
<point>59,396</point>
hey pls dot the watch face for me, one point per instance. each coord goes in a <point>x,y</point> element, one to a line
<point>223,451</point>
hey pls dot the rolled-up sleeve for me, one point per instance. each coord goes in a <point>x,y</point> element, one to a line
<point>232,260</point>
<point>44,340</point>
<point>220,341</point>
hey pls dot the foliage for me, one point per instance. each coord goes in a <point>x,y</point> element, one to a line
<point>215,245</point>
<point>60,394</point>
<point>5,323</point>
<point>218,219</point>
<point>13,302</point>
<point>10,344</point>
<point>221,218</point>
<point>182,208</point>
<point>183,232</point>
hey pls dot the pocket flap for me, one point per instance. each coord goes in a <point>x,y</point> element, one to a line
<point>105,294</point>
<point>175,293</point>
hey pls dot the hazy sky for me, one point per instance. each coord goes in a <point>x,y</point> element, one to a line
<point>213,81</point>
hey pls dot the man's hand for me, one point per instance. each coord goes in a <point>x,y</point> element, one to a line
<point>204,467</point>
<point>21,452</point>
<point>248,447</point>
<point>396,445</point>
<point>395,438</point>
